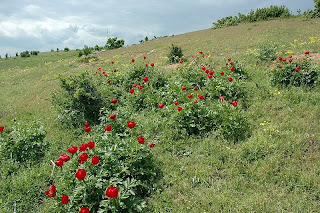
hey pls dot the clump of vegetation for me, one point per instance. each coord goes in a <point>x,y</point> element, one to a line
<point>262,14</point>
<point>114,43</point>
<point>25,54</point>
<point>175,54</point>
<point>66,49</point>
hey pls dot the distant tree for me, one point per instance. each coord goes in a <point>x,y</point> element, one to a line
<point>80,53</point>
<point>299,11</point>
<point>317,8</point>
<point>97,48</point>
<point>25,54</point>
<point>146,38</point>
<point>114,43</point>
<point>7,56</point>
<point>34,52</point>
<point>17,54</point>
<point>86,50</point>
<point>57,49</point>
<point>175,54</point>
<point>66,49</point>
<point>141,41</point>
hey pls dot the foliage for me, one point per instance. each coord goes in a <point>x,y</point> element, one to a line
<point>66,49</point>
<point>114,43</point>
<point>34,52</point>
<point>78,99</point>
<point>261,14</point>
<point>264,52</point>
<point>25,54</point>
<point>300,73</point>
<point>24,142</point>
<point>175,54</point>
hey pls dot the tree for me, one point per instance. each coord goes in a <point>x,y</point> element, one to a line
<point>317,8</point>
<point>114,43</point>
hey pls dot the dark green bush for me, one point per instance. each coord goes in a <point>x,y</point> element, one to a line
<point>25,54</point>
<point>175,54</point>
<point>66,49</point>
<point>114,43</point>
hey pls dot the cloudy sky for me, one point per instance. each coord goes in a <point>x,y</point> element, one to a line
<point>45,25</point>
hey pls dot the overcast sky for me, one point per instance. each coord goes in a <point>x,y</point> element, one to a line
<point>46,25</point>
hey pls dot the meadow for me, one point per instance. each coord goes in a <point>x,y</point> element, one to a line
<point>269,163</point>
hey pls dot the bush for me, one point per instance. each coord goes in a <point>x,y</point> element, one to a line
<point>78,99</point>
<point>24,143</point>
<point>114,43</point>
<point>66,49</point>
<point>25,54</point>
<point>301,73</point>
<point>264,52</point>
<point>123,163</point>
<point>175,54</point>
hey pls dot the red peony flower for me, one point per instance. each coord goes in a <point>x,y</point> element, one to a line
<point>232,68</point>
<point>280,58</point>
<point>115,70</point>
<point>112,192</point>
<point>99,68</point>
<point>132,60</point>
<point>181,61</point>
<point>86,124</point>
<point>131,124</point>
<point>230,79</point>
<point>72,149</point>
<point>190,96</point>
<point>200,97</point>
<point>234,103</point>
<point>290,56</point>
<point>109,81</point>
<point>59,162</point>
<point>284,59</point>
<point>161,105</point>
<point>83,147</point>
<point>95,160</point>
<point>64,199</point>
<point>1,128</point>
<point>229,59</point>
<point>196,101</point>
<point>221,98</point>
<point>290,60</point>
<point>140,87</point>
<point>140,139</point>
<point>203,68</point>
<point>64,157</point>
<point>83,157</point>
<point>152,64</point>
<point>221,73</point>
<point>113,116</point>
<point>210,76</point>
<point>108,128</point>
<point>91,144</point>
<point>114,101</point>
<point>176,103</point>
<point>134,85</point>
<point>231,63</point>
<point>207,71</point>
<point>280,67</point>
<point>81,162</point>
<point>151,145</point>
<point>87,129</point>
<point>84,210</point>
<point>81,173</point>
<point>146,65</point>
<point>52,188</point>
<point>179,109</point>
<point>145,79</point>
<point>183,88</point>
<point>307,52</point>
<point>112,62</point>
<point>144,57</point>
<point>131,91</point>
<point>195,88</point>
<point>200,52</point>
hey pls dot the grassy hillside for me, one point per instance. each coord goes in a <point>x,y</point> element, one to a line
<point>274,170</point>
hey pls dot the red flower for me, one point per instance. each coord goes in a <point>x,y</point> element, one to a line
<point>112,192</point>
<point>231,63</point>
<point>297,70</point>
<point>144,57</point>
<point>113,116</point>
<point>179,109</point>
<point>72,149</point>
<point>234,103</point>
<point>145,79</point>
<point>84,210</point>
<point>290,60</point>
<point>196,101</point>
<point>83,147</point>
<point>112,62</point>
<point>104,72</point>
<point>152,64</point>
<point>132,60</point>
<point>232,68</point>
<point>190,96</point>
<point>95,160</point>
<point>207,71</point>
<point>99,68</point>
<point>109,81</point>
<point>290,56</point>
<point>87,129</point>
<point>146,65</point>
<point>284,60</point>
<point>161,105</point>
<point>140,87</point>
<point>183,88</point>
<point>64,199</point>
<point>64,157</point>
<point>81,173</point>
<point>200,52</point>
<point>221,73</point>
<point>134,85</point>
<point>114,101</point>
<point>200,97</point>
<point>203,68</point>
<point>140,139</point>
<point>115,70</point>
<point>86,124</point>
<point>280,58</point>
<point>230,79</point>
<point>91,144</point>
<point>211,73</point>
<point>131,91</point>
<point>229,59</point>
<point>108,128</point>
<point>83,157</point>
<point>59,162</point>
<point>1,128</point>
<point>50,193</point>
<point>131,124</point>
<point>81,162</point>
<point>307,52</point>
<point>280,67</point>
<point>181,61</point>
<point>210,76</point>
<point>151,145</point>
<point>299,67</point>
<point>221,98</point>
<point>176,103</point>
<point>195,88</point>
<point>52,188</point>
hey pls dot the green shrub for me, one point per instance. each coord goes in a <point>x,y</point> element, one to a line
<point>66,49</point>
<point>25,54</point>
<point>175,54</point>
<point>288,73</point>
<point>34,52</point>
<point>114,43</point>
<point>24,143</point>
<point>78,99</point>
<point>265,52</point>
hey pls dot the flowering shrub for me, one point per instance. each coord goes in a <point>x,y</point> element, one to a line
<point>24,142</point>
<point>300,73</point>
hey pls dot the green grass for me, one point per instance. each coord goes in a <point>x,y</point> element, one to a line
<point>275,170</point>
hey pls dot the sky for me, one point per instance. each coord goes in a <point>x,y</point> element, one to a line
<point>45,25</point>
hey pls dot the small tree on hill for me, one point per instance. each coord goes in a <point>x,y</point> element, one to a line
<point>175,54</point>
<point>317,8</point>
<point>114,43</point>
